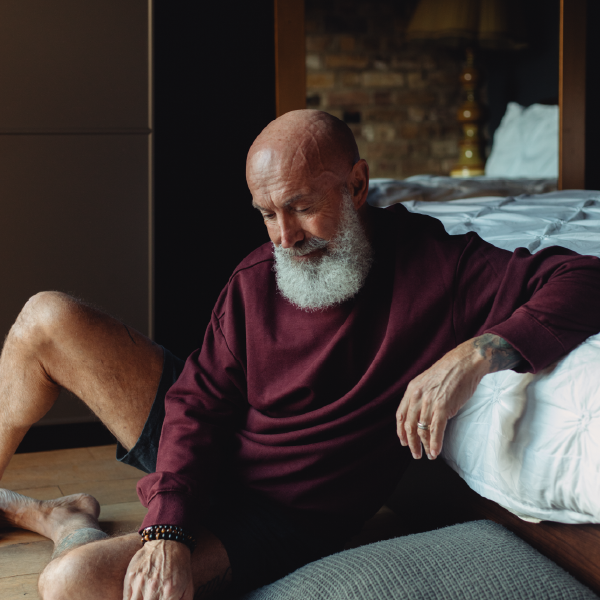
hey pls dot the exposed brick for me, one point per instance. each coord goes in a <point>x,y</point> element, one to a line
<point>352,116</point>
<point>320,80</point>
<point>318,43</point>
<point>347,98</point>
<point>380,114</point>
<point>360,66</point>
<point>368,132</point>
<point>405,64</point>
<point>416,113</point>
<point>385,132</point>
<point>363,148</point>
<point>388,150</point>
<point>447,164</point>
<point>443,78</point>
<point>377,79</point>
<point>444,148</point>
<point>347,43</point>
<point>381,65</point>
<point>346,61</point>
<point>313,101</point>
<point>335,112</point>
<point>379,132</point>
<point>415,166</point>
<point>313,61</point>
<point>393,169</point>
<point>350,79</point>
<point>416,81</point>
<point>356,129</point>
<point>382,98</point>
<point>419,148</point>
<point>410,131</point>
<point>420,98</point>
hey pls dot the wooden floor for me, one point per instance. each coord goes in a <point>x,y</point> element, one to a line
<point>45,475</point>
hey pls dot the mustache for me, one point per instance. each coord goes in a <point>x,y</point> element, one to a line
<point>308,246</point>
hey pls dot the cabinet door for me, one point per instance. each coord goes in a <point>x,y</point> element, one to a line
<point>75,159</point>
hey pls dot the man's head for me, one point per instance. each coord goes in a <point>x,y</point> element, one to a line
<point>309,184</point>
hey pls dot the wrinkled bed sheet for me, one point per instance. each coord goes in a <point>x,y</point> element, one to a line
<point>530,442</point>
<point>434,188</point>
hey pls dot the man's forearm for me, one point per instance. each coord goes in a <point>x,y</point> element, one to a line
<point>497,351</point>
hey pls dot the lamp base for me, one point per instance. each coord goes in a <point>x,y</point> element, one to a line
<point>464,171</point>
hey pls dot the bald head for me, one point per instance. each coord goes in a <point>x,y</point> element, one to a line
<point>310,143</point>
<point>299,169</point>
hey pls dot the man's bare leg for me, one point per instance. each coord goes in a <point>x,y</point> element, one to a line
<point>58,342</point>
<point>96,571</point>
<point>88,565</point>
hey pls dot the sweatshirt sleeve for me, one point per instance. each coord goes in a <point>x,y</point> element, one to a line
<point>543,304</point>
<point>202,410</point>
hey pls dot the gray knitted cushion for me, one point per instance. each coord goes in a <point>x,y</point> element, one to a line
<point>475,560</point>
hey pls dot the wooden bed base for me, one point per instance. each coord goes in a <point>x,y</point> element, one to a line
<point>576,548</point>
<point>431,495</point>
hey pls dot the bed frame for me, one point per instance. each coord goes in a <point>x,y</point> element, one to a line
<point>576,548</point>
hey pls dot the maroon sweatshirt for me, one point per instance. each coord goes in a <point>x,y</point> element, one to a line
<point>300,406</point>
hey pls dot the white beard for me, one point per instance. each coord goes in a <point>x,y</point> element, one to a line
<point>332,278</point>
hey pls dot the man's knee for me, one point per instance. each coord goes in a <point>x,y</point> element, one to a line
<point>65,578</point>
<point>43,315</point>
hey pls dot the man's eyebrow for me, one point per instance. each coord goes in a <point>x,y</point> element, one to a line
<point>286,204</point>
<point>294,199</point>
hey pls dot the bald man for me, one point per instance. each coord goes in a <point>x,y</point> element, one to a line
<point>354,328</point>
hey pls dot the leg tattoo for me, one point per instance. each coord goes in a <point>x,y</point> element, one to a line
<point>79,537</point>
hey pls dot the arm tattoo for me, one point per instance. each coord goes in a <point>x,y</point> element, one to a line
<point>213,586</point>
<point>500,354</point>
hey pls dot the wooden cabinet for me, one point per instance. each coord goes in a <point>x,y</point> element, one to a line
<point>75,158</point>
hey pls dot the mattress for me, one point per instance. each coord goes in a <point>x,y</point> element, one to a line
<point>529,442</point>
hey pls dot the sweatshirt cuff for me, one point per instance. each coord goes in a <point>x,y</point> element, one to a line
<point>173,508</point>
<point>536,344</point>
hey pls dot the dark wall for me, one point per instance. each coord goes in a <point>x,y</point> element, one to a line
<point>592,101</point>
<point>525,76</point>
<point>214,93</point>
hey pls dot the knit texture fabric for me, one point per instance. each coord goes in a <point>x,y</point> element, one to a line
<point>470,561</point>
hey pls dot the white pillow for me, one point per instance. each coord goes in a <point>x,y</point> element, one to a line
<point>525,143</point>
<point>532,442</point>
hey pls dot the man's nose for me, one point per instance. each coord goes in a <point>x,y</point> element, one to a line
<point>290,231</point>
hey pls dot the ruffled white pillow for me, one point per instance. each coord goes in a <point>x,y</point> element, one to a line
<point>532,442</point>
<point>525,143</point>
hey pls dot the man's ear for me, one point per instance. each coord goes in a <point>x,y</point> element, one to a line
<point>358,183</point>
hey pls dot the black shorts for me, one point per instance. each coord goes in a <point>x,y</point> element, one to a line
<point>263,541</point>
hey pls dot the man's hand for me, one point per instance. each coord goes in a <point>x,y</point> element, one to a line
<point>437,394</point>
<point>160,570</point>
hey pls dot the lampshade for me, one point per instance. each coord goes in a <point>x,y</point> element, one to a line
<point>493,24</point>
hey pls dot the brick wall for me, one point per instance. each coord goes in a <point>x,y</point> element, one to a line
<point>399,100</point>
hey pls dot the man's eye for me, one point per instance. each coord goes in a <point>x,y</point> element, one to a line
<point>302,210</point>
<point>268,217</point>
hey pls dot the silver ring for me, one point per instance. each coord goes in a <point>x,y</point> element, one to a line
<point>423,426</point>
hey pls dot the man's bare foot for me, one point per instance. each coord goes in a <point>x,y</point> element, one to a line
<point>51,518</point>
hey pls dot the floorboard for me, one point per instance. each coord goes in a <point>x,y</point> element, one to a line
<point>46,475</point>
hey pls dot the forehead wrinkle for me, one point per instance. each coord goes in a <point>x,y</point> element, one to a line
<point>308,157</point>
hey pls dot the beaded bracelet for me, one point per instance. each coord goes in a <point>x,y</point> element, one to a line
<point>168,532</point>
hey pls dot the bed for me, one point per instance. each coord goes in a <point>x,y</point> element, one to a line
<point>509,211</point>
<point>526,445</point>
<point>529,445</point>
